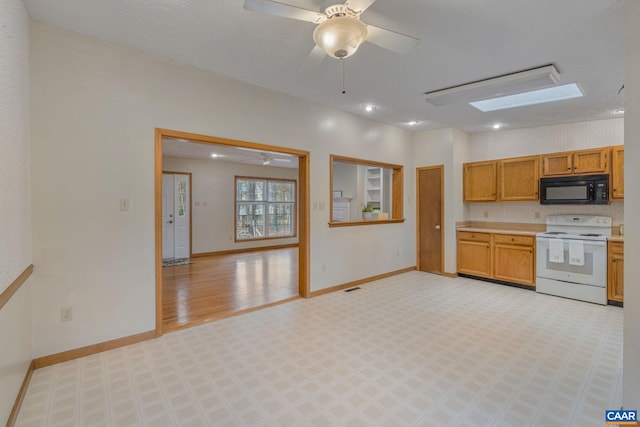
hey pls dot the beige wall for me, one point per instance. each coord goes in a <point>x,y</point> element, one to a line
<point>15,209</point>
<point>95,108</point>
<point>631,373</point>
<point>213,184</point>
<point>504,143</point>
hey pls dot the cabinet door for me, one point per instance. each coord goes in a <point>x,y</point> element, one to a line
<point>615,285</point>
<point>519,178</point>
<point>480,181</point>
<point>590,161</point>
<point>474,258</point>
<point>557,164</point>
<point>514,263</point>
<point>617,172</point>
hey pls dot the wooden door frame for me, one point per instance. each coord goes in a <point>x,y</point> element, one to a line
<point>190,206</point>
<point>442,218</point>
<point>304,211</point>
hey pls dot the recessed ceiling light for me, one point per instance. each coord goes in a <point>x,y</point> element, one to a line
<point>496,126</point>
<point>540,96</point>
<point>214,155</point>
<point>619,111</point>
<point>368,108</point>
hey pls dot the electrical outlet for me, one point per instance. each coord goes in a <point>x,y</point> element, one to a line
<point>66,314</point>
<point>536,215</point>
<point>124,205</point>
<point>486,214</point>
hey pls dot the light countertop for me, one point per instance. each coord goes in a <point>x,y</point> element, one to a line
<point>496,231</point>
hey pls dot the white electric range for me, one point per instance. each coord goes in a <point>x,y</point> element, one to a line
<point>571,257</point>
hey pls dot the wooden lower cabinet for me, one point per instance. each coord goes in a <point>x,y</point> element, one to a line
<point>514,258</point>
<point>615,282</point>
<point>506,257</point>
<point>474,253</point>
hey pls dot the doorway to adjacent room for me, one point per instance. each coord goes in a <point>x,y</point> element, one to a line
<point>223,283</point>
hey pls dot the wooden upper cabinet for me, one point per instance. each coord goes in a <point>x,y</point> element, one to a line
<point>519,178</point>
<point>480,181</point>
<point>576,162</point>
<point>591,161</point>
<point>617,172</point>
<point>557,164</point>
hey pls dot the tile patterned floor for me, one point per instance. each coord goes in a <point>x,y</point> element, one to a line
<point>415,349</point>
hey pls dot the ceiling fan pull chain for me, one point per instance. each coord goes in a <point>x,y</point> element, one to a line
<point>344,90</point>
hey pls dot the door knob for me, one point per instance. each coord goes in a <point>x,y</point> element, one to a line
<point>437,227</point>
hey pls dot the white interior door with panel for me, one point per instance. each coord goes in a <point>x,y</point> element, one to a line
<point>176,216</point>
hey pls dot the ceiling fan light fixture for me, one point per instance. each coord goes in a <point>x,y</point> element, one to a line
<point>266,159</point>
<point>340,36</point>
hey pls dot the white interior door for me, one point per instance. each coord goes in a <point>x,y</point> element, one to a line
<point>168,246</point>
<point>176,216</point>
<point>182,216</point>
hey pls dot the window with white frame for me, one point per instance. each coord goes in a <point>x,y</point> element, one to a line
<point>265,208</point>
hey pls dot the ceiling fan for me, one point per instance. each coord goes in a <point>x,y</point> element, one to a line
<point>339,31</point>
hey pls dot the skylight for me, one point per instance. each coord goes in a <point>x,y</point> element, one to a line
<point>539,96</point>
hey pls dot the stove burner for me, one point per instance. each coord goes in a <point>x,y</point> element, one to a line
<point>558,232</point>
<point>591,235</point>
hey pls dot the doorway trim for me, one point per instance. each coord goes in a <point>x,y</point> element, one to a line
<point>442,217</point>
<point>304,218</point>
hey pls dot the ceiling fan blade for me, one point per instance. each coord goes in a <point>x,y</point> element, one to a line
<point>359,5</point>
<point>280,9</point>
<point>395,42</point>
<point>314,59</point>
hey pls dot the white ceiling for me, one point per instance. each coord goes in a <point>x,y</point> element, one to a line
<point>461,41</point>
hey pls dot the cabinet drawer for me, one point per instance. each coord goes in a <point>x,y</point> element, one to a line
<point>616,247</point>
<point>477,237</point>
<point>515,239</point>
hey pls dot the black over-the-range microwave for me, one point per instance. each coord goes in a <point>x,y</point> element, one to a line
<point>575,190</point>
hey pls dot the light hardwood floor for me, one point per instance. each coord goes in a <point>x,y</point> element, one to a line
<point>219,286</point>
